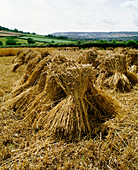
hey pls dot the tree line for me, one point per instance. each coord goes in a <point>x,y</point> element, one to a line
<point>14,30</point>
<point>81,44</point>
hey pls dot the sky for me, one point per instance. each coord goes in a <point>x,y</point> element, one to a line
<point>49,16</point>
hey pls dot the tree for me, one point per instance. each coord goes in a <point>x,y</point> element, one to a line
<point>15,30</point>
<point>11,41</point>
<point>30,41</point>
<point>1,43</point>
<point>79,44</point>
<point>131,43</point>
<point>50,36</point>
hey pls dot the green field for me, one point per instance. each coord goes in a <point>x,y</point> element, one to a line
<point>45,39</point>
<point>39,39</point>
<point>21,41</point>
<point>52,41</point>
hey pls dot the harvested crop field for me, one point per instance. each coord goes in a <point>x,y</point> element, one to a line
<point>8,33</point>
<point>63,109</point>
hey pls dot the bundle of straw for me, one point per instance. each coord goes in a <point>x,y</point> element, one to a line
<point>34,80</point>
<point>133,69</point>
<point>82,109</point>
<point>114,73</point>
<point>89,57</point>
<point>132,60</point>
<point>59,96</point>
<point>19,59</point>
<point>132,57</point>
<point>27,55</point>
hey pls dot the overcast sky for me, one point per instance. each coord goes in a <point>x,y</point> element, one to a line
<point>49,16</point>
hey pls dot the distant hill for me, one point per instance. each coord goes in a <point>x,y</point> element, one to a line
<point>68,39</point>
<point>99,35</point>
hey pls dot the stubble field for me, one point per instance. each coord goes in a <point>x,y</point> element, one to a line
<point>23,146</point>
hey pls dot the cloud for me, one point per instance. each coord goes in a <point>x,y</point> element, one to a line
<point>136,20</point>
<point>48,16</point>
<point>110,21</point>
<point>130,4</point>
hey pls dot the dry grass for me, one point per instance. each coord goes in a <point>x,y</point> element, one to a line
<point>13,51</point>
<point>8,51</point>
<point>9,79</point>
<point>115,147</point>
<point>8,33</point>
<point>21,147</point>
